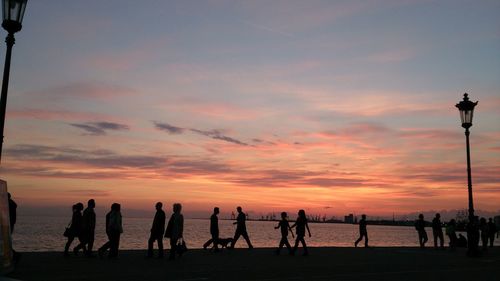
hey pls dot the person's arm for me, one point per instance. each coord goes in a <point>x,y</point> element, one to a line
<point>278,226</point>
<point>307,226</point>
<point>291,231</point>
<point>181,226</point>
<point>294,225</point>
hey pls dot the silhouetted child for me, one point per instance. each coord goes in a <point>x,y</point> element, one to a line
<point>422,234</point>
<point>362,231</point>
<point>437,231</point>
<point>285,227</point>
<point>451,233</point>
<point>301,226</point>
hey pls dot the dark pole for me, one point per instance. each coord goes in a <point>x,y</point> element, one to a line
<point>472,226</point>
<point>469,176</point>
<point>10,40</point>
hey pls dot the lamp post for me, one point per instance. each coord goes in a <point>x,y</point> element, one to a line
<point>13,12</point>
<point>466,108</point>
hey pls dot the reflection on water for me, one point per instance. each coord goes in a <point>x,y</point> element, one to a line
<point>45,234</point>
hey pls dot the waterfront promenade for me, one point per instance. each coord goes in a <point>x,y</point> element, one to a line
<point>262,264</point>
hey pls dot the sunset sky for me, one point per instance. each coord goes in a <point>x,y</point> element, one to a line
<point>331,106</point>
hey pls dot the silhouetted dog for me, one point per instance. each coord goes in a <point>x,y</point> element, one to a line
<point>223,243</point>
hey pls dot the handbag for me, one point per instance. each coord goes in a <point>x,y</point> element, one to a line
<point>181,246</point>
<point>67,231</point>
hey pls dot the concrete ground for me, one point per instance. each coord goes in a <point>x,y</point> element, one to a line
<point>263,264</point>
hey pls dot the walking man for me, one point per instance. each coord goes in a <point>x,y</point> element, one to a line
<point>362,231</point>
<point>214,231</point>
<point>437,231</point>
<point>241,229</point>
<point>88,229</point>
<point>157,230</point>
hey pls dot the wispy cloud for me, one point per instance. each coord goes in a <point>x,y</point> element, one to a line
<point>100,128</point>
<point>214,134</point>
<point>173,130</point>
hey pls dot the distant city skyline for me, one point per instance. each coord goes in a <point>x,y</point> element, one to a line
<point>328,106</point>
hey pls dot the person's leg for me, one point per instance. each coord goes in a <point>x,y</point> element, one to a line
<point>280,245</point>
<point>173,246</point>
<point>151,240</point>
<point>90,244</point>
<point>297,240</point>
<point>441,239</point>
<point>245,235</point>
<point>425,237</point>
<point>68,244</point>
<point>492,239</point>
<point>215,241</point>
<point>435,236</point>
<point>205,246</point>
<point>359,240</point>
<point>287,244</point>
<point>236,237</point>
<point>366,239</point>
<point>160,246</point>
<point>304,245</point>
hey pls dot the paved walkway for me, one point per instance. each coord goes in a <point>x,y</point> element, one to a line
<point>264,265</point>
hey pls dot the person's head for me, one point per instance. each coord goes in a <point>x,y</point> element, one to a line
<point>482,221</point>
<point>438,216</point>
<point>8,194</point>
<point>284,215</point>
<point>158,205</point>
<point>490,220</point>
<point>452,222</point>
<point>79,206</point>
<point>238,209</point>
<point>115,207</point>
<point>177,207</point>
<point>363,216</point>
<point>91,203</point>
<point>302,214</point>
<point>216,210</point>
<point>421,216</point>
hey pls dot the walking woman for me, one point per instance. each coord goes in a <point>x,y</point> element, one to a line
<point>113,229</point>
<point>174,230</point>
<point>301,225</point>
<point>75,227</point>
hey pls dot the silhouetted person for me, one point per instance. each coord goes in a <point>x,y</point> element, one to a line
<point>75,227</point>
<point>12,213</point>
<point>422,234</point>
<point>485,232</point>
<point>301,226</point>
<point>473,237</point>
<point>241,229</point>
<point>113,230</point>
<point>362,231</point>
<point>157,230</point>
<point>175,229</point>
<point>284,226</point>
<point>462,241</point>
<point>214,231</point>
<point>451,233</point>
<point>437,231</point>
<point>88,229</point>
<point>492,228</point>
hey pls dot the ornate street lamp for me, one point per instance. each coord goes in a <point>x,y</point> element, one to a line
<point>466,108</point>
<point>13,12</point>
